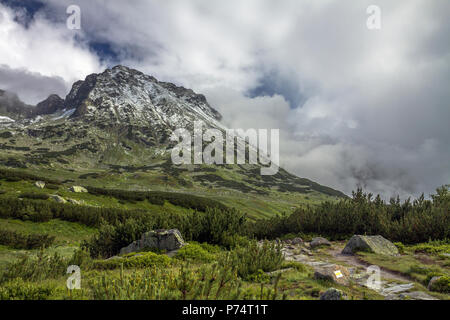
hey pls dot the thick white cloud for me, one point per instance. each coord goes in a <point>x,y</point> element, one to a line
<point>373,105</point>
<point>44,49</point>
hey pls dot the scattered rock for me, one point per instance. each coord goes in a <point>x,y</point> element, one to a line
<point>375,244</point>
<point>58,198</point>
<point>168,240</point>
<point>73,201</point>
<point>336,273</point>
<point>78,189</point>
<point>296,241</point>
<point>417,295</point>
<point>397,288</point>
<point>305,251</point>
<point>276,272</point>
<point>319,241</point>
<point>432,282</point>
<point>40,184</point>
<point>332,294</point>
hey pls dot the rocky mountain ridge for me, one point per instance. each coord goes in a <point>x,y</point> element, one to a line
<point>120,121</point>
<point>120,95</point>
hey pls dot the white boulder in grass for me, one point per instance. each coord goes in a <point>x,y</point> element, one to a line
<point>40,184</point>
<point>78,189</point>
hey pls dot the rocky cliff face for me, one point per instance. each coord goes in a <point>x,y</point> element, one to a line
<point>12,107</point>
<point>125,96</point>
<point>52,104</point>
<point>120,96</point>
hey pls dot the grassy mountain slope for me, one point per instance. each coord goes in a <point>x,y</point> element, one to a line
<point>79,153</point>
<point>113,131</point>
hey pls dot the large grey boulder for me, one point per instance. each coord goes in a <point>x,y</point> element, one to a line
<point>332,294</point>
<point>318,242</point>
<point>168,240</point>
<point>375,244</point>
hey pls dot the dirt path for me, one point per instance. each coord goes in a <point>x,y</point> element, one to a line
<point>356,262</point>
<point>392,285</point>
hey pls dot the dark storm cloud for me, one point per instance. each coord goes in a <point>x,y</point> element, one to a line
<point>31,87</point>
<point>272,83</point>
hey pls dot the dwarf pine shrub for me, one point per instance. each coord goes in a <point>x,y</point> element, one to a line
<point>441,285</point>
<point>137,260</point>
<point>400,246</point>
<point>14,175</point>
<point>214,226</point>
<point>433,247</point>
<point>408,222</point>
<point>194,252</point>
<point>35,268</point>
<point>249,259</point>
<point>159,197</point>
<point>34,195</point>
<point>207,282</point>
<point>18,289</point>
<point>18,240</point>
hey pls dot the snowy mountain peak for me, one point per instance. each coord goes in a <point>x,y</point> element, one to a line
<point>127,96</point>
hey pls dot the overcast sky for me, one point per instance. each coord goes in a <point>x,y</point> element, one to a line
<point>355,107</point>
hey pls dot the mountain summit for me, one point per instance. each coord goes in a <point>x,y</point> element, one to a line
<point>125,95</point>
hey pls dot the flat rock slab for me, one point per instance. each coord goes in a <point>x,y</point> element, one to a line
<point>397,288</point>
<point>375,244</point>
<point>417,295</point>
<point>333,272</point>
